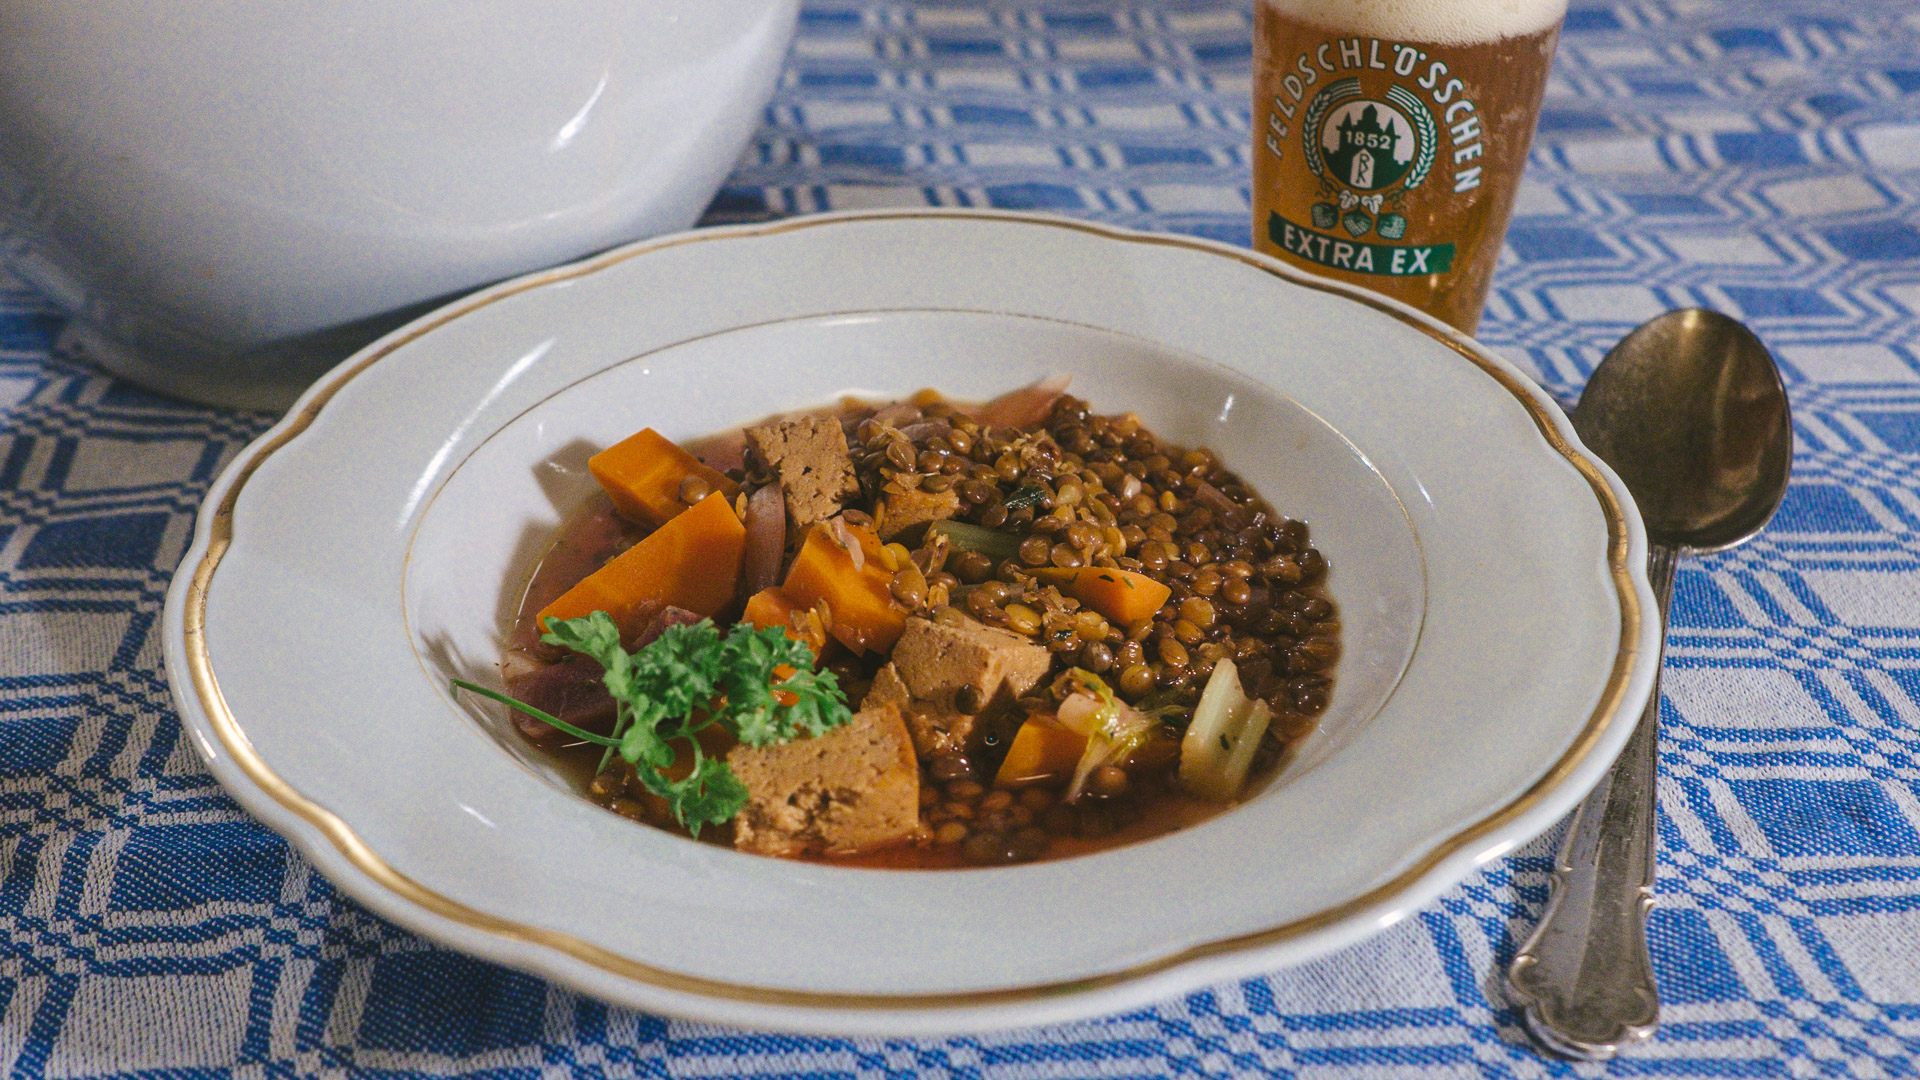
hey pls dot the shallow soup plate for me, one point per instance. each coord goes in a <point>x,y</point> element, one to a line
<point>372,545</point>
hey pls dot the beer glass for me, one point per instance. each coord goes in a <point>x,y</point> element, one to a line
<point>1389,137</point>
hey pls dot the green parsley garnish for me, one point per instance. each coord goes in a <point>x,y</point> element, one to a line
<point>686,680</point>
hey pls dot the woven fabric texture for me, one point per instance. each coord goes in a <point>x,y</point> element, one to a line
<point>1763,160</point>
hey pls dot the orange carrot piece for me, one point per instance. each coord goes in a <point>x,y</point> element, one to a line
<point>1121,595</point>
<point>865,615</point>
<point>768,607</point>
<point>693,561</point>
<point>714,742</point>
<point>1040,750</point>
<point>642,475</point>
<point>1043,750</point>
<point>772,607</point>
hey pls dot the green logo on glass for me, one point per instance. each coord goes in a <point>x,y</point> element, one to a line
<point>1365,145</point>
<point>1368,154</point>
<point>1368,144</point>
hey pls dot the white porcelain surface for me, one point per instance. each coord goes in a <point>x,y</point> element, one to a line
<point>225,192</point>
<point>1487,681</point>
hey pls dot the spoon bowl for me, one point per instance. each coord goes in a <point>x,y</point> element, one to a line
<point>1689,409</point>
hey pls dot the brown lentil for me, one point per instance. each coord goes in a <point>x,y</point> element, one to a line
<point>972,568</point>
<point>909,586</point>
<point>1197,611</point>
<point>1173,653</point>
<point>1035,551</point>
<point>968,700</point>
<point>1022,619</point>
<point>982,848</point>
<point>1136,680</point>
<point>1107,780</point>
<point>1029,843</point>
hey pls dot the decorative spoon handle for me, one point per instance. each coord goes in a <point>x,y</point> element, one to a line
<point>1584,977</point>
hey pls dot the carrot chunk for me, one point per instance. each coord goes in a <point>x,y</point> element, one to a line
<point>772,607</point>
<point>768,607</point>
<point>1043,750</point>
<point>1040,750</point>
<point>642,475</point>
<point>693,561</point>
<point>1121,595</point>
<point>860,599</point>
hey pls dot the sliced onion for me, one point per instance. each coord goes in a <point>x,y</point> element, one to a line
<point>849,543</point>
<point>1230,514</point>
<point>1024,407</point>
<point>573,690</point>
<point>766,540</point>
<point>922,430</point>
<point>898,414</point>
<point>1130,486</point>
<point>1251,731</point>
<point>1080,713</point>
<point>519,663</point>
<point>1221,740</point>
<point>1114,730</point>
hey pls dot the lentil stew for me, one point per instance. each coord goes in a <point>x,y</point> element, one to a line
<point>1024,602</point>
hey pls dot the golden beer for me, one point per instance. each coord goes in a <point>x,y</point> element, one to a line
<point>1389,137</point>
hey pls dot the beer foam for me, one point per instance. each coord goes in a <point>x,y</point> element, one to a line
<point>1442,22</point>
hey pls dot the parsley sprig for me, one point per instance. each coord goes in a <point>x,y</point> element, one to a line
<point>758,684</point>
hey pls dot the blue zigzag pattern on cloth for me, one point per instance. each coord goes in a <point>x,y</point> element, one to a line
<point>1762,160</point>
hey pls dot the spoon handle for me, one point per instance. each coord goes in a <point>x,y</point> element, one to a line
<point>1584,978</point>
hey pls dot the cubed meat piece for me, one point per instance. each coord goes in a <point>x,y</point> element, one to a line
<point>935,731</point>
<point>936,659</point>
<point>809,459</point>
<point>887,689</point>
<point>933,661</point>
<point>902,510</point>
<point>854,789</point>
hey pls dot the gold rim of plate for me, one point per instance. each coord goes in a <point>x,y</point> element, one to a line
<point>367,861</point>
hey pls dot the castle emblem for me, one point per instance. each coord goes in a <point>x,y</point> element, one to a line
<point>1367,152</point>
<point>1368,145</point>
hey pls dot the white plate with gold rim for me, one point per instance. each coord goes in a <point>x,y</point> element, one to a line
<point>1489,574</point>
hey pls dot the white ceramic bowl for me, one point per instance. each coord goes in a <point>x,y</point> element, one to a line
<point>229,196</point>
<point>1499,642</point>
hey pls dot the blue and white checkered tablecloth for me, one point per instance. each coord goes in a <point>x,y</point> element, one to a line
<point>1762,159</point>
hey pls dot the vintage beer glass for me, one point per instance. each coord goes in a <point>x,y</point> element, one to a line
<point>1389,137</point>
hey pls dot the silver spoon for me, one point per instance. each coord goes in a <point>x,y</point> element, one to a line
<point>1690,411</point>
